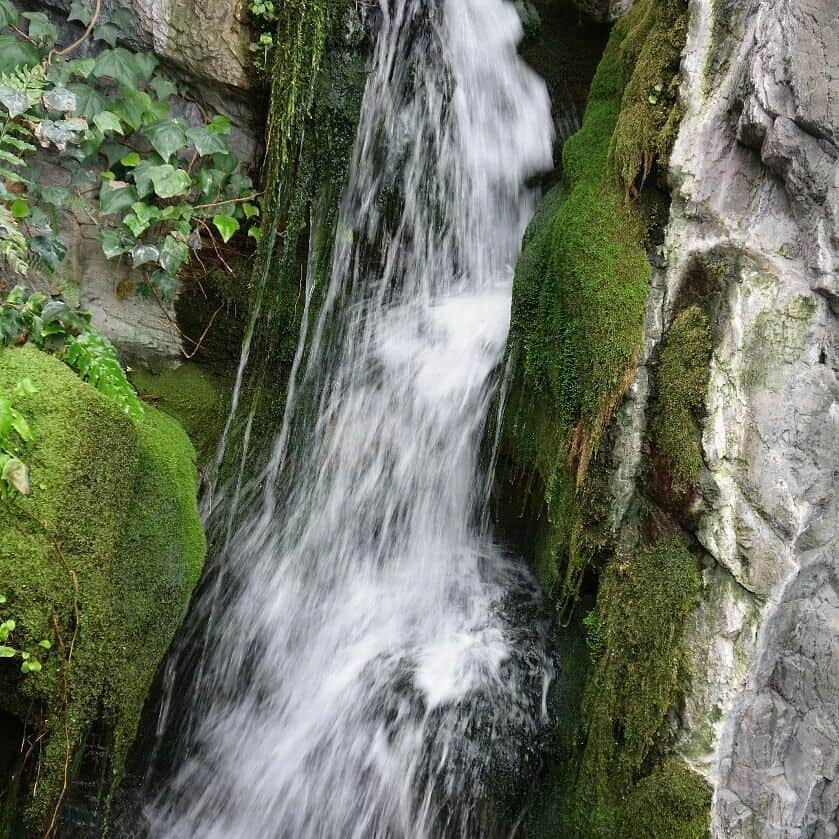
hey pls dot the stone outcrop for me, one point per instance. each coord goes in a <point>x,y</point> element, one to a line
<point>755,188</point>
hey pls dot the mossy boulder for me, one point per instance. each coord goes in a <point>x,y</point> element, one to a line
<point>100,560</point>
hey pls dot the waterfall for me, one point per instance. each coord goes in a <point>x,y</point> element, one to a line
<point>372,669</point>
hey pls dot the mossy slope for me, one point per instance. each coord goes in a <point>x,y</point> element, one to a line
<point>101,558</point>
<point>577,325</point>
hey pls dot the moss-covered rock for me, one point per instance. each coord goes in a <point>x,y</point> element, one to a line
<point>679,406</point>
<point>195,397</point>
<point>100,559</point>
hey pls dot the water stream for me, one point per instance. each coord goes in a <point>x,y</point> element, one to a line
<point>371,670</point>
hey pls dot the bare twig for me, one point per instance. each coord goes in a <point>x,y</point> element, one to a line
<point>83,38</point>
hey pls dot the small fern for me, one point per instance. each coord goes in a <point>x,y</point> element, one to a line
<point>13,245</point>
<point>95,360</point>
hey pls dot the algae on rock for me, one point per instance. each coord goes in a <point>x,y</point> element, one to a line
<point>101,558</point>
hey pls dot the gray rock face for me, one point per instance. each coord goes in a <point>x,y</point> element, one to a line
<point>755,184</point>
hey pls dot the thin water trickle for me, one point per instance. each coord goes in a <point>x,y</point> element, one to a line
<point>369,671</point>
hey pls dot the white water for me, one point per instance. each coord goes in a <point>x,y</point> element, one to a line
<point>370,669</point>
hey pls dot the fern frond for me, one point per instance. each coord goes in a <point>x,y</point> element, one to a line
<point>95,360</point>
<point>13,245</point>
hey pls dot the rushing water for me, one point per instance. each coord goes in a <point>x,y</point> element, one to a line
<point>370,672</point>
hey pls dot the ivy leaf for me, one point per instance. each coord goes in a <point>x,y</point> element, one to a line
<point>114,242</point>
<point>165,284</point>
<point>166,137</point>
<point>106,32</point>
<point>81,67</point>
<point>20,208</point>
<point>146,63</point>
<point>219,125</point>
<point>169,181</point>
<point>210,182</point>
<point>143,254</point>
<point>89,101</point>
<point>145,212</point>
<point>162,87</point>
<point>130,160</point>
<point>205,142</point>
<point>117,64</point>
<point>116,196</point>
<point>8,14</point>
<point>108,121</point>
<point>131,106</point>
<point>250,210</point>
<point>40,28</point>
<point>135,225</point>
<point>226,226</point>
<point>80,12</point>
<point>14,53</point>
<point>7,652</point>
<point>173,254</point>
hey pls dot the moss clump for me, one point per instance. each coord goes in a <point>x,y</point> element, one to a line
<point>642,607</point>
<point>650,114</point>
<point>679,407</point>
<point>101,559</point>
<point>671,803</point>
<point>194,397</point>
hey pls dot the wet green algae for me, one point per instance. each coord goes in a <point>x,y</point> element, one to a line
<point>101,558</point>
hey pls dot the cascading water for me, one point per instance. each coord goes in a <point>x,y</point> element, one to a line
<point>369,672</point>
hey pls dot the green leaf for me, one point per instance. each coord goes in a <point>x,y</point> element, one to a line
<point>210,182</point>
<point>135,225</point>
<point>116,196</point>
<point>34,666</point>
<point>2,599</point>
<point>130,160</point>
<point>15,53</point>
<point>162,87</point>
<point>108,121</point>
<point>166,137</point>
<point>117,64</point>
<point>145,212</point>
<point>226,226</point>
<point>219,125</point>
<point>81,67</point>
<point>8,14</point>
<point>169,181</point>
<point>89,101</point>
<point>250,210</point>
<point>173,254</point>
<point>40,28</point>
<point>80,12</point>
<point>106,32</point>
<point>146,63</point>
<point>143,254</point>
<point>114,242</point>
<point>131,106</point>
<point>45,645</point>
<point>20,208</point>
<point>7,652</point>
<point>205,142</point>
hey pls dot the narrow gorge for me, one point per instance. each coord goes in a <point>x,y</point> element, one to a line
<point>418,419</point>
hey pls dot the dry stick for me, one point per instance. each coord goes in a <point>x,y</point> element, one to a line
<point>227,201</point>
<point>196,344</point>
<point>84,36</point>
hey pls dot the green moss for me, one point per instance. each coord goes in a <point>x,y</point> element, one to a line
<point>650,114</point>
<point>679,406</point>
<point>671,803</point>
<point>193,396</point>
<point>577,321</point>
<point>621,768</point>
<point>110,533</point>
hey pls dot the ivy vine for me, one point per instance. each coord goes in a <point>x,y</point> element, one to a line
<point>166,188</point>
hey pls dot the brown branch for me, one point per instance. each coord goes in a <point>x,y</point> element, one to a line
<point>83,38</point>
